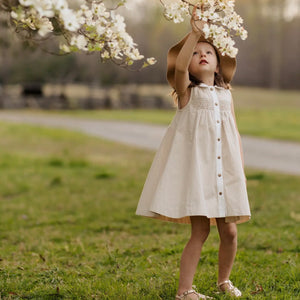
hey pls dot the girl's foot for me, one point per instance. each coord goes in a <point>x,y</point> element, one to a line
<point>191,295</point>
<point>227,287</point>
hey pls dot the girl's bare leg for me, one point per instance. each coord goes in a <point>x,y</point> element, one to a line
<point>228,247</point>
<point>191,254</point>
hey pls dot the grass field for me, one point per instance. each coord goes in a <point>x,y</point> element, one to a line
<point>259,112</point>
<point>69,230</point>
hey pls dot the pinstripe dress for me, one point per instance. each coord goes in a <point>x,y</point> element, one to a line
<point>197,169</point>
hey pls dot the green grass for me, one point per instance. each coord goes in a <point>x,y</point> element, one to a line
<point>268,113</point>
<point>69,230</point>
<point>259,112</point>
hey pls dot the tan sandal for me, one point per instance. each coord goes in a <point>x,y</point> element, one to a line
<point>184,295</point>
<point>230,289</point>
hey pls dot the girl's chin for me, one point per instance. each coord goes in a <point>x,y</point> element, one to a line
<point>202,72</point>
<point>204,66</point>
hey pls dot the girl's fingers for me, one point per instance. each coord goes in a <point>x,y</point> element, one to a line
<point>195,17</point>
<point>195,8</point>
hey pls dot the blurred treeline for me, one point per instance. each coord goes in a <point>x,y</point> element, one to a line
<point>268,58</point>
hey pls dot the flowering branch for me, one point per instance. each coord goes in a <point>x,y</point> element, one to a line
<point>88,27</point>
<point>221,20</point>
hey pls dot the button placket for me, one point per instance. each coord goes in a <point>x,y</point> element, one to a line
<point>219,171</point>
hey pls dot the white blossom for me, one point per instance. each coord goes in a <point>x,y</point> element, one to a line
<point>70,20</point>
<point>176,11</point>
<point>60,4</point>
<point>26,2</point>
<point>44,8</point>
<point>127,39</point>
<point>243,33</point>
<point>100,29</point>
<point>135,54</point>
<point>14,15</point>
<point>105,54</point>
<point>44,26</point>
<point>84,25</point>
<point>119,24</point>
<point>99,10</point>
<point>221,18</point>
<point>64,48</point>
<point>151,60</point>
<point>79,41</point>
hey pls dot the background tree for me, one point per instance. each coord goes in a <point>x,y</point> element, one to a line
<point>268,58</point>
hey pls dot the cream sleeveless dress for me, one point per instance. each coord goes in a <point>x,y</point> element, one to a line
<point>197,169</point>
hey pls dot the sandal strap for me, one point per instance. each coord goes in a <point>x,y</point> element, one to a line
<point>234,291</point>
<point>224,282</point>
<point>186,293</point>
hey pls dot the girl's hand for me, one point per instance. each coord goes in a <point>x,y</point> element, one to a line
<point>196,24</point>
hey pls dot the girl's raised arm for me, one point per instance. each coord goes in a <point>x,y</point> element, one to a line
<point>184,57</point>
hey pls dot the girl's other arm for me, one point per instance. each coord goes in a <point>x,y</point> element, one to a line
<point>184,58</point>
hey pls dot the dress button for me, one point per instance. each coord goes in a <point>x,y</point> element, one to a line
<point>219,139</point>
<point>216,104</point>
<point>219,175</point>
<point>211,88</point>
<point>218,121</point>
<point>219,157</point>
<point>220,193</point>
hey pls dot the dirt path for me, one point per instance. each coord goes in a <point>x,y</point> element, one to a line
<point>258,152</point>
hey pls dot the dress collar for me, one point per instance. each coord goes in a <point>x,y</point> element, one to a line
<point>205,85</point>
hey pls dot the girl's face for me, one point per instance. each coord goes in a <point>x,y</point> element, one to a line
<point>204,60</point>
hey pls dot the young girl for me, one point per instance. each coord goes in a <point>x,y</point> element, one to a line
<point>197,175</point>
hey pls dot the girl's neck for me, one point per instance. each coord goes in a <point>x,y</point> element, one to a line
<point>207,80</point>
<point>209,84</point>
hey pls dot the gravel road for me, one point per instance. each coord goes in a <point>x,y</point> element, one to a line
<point>264,154</point>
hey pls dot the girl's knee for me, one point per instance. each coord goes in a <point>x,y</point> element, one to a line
<point>203,235</point>
<point>227,231</point>
<point>200,228</point>
<point>198,241</point>
<point>200,235</point>
<point>230,233</point>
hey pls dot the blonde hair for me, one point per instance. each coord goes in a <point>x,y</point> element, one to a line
<point>218,80</point>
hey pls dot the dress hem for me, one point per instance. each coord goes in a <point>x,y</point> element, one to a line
<point>187,220</point>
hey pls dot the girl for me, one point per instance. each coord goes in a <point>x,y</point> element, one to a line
<point>197,175</point>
